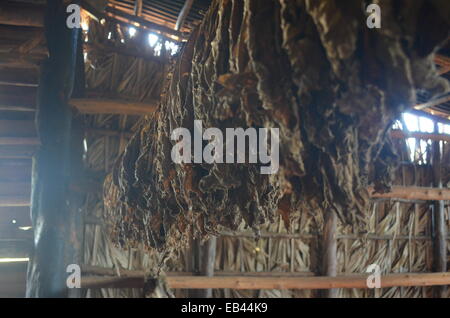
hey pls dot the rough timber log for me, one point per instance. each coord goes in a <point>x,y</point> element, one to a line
<point>241,282</point>
<point>311,68</point>
<point>54,236</point>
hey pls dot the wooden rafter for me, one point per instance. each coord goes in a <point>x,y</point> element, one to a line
<point>432,103</point>
<point>112,106</point>
<point>22,15</point>
<point>183,14</point>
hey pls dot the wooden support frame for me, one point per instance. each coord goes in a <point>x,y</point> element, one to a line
<point>255,283</point>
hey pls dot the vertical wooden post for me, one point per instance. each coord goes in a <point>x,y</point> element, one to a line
<point>439,225</point>
<point>329,251</point>
<point>208,261</point>
<point>55,240</point>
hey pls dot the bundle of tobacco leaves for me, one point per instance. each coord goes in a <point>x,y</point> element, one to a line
<point>312,68</point>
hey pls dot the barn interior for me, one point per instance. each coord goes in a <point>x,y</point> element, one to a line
<point>88,183</point>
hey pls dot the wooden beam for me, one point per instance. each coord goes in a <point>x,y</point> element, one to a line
<point>183,14</point>
<point>17,128</point>
<point>399,134</point>
<point>132,19</point>
<point>104,48</point>
<point>442,60</point>
<point>25,141</point>
<point>444,70</point>
<point>91,106</point>
<point>17,151</point>
<point>433,115</point>
<point>432,103</point>
<point>21,60</point>
<point>419,193</point>
<point>14,201</point>
<point>17,98</point>
<point>22,15</point>
<point>13,79</point>
<point>255,283</point>
<point>111,106</point>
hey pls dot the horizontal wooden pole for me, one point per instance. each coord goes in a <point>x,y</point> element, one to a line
<point>255,283</point>
<point>22,15</point>
<point>17,102</point>
<point>26,103</point>
<point>17,151</point>
<point>30,141</point>
<point>17,128</point>
<point>442,60</point>
<point>112,106</point>
<point>102,271</point>
<point>19,77</point>
<point>432,103</point>
<point>417,193</point>
<point>132,19</point>
<point>15,188</point>
<point>432,114</point>
<point>420,135</point>
<point>14,201</point>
